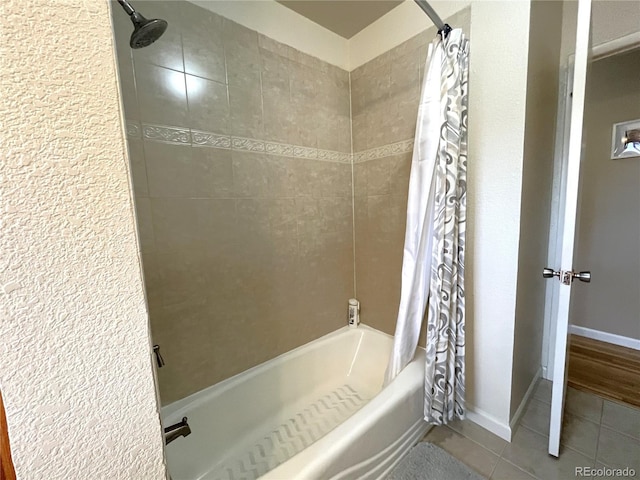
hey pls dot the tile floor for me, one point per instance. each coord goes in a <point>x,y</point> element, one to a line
<point>597,433</point>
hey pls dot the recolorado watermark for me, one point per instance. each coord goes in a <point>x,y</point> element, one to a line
<point>605,472</point>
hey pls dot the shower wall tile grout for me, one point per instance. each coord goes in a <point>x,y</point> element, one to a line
<point>353,209</point>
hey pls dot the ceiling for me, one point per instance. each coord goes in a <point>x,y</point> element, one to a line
<point>344,17</point>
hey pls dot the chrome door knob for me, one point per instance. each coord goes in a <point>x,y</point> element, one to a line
<point>582,276</point>
<point>549,273</point>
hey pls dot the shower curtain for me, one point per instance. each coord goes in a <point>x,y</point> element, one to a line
<point>433,261</point>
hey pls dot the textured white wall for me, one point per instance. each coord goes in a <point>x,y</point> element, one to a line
<point>497,97</point>
<point>545,35</point>
<point>75,364</point>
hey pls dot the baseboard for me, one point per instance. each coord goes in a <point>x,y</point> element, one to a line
<point>605,337</point>
<point>489,422</point>
<point>515,420</point>
<point>494,425</point>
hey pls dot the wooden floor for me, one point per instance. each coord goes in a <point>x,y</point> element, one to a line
<point>607,370</point>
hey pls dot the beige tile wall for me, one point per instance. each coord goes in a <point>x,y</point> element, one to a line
<point>385,96</point>
<point>380,213</point>
<point>246,255</point>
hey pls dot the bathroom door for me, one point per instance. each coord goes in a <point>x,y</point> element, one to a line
<point>564,272</point>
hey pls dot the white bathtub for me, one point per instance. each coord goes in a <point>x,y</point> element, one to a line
<point>316,412</point>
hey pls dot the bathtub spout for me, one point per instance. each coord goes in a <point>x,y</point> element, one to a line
<point>180,429</point>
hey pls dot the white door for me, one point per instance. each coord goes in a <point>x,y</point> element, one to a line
<point>564,272</point>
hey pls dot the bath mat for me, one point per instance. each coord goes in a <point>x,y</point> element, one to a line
<point>425,461</point>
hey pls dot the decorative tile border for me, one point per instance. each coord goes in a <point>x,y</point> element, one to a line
<point>166,134</point>
<point>133,129</point>
<point>384,151</point>
<point>278,149</point>
<point>208,139</point>
<point>247,144</point>
<point>330,156</point>
<point>186,136</point>
<point>305,152</point>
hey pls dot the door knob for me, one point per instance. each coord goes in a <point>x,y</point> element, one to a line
<point>582,276</point>
<point>566,277</point>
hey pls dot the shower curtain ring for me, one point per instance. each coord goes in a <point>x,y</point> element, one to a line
<point>445,30</point>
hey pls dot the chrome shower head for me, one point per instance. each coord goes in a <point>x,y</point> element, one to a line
<point>145,32</point>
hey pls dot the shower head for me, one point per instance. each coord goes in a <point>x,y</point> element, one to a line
<point>145,32</point>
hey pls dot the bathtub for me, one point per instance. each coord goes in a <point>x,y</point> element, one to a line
<point>316,412</point>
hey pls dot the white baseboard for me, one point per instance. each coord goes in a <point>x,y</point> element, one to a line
<point>494,425</point>
<point>605,337</point>
<point>515,420</point>
<point>489,422</point>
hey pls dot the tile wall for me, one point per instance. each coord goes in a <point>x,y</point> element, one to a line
<point>241,165</point>
<point>385,93</point>
<point>242,156</point>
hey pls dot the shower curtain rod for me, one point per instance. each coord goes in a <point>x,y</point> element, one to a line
<point>443,28</point>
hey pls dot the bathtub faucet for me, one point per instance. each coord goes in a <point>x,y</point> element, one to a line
<point>180,429</point>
